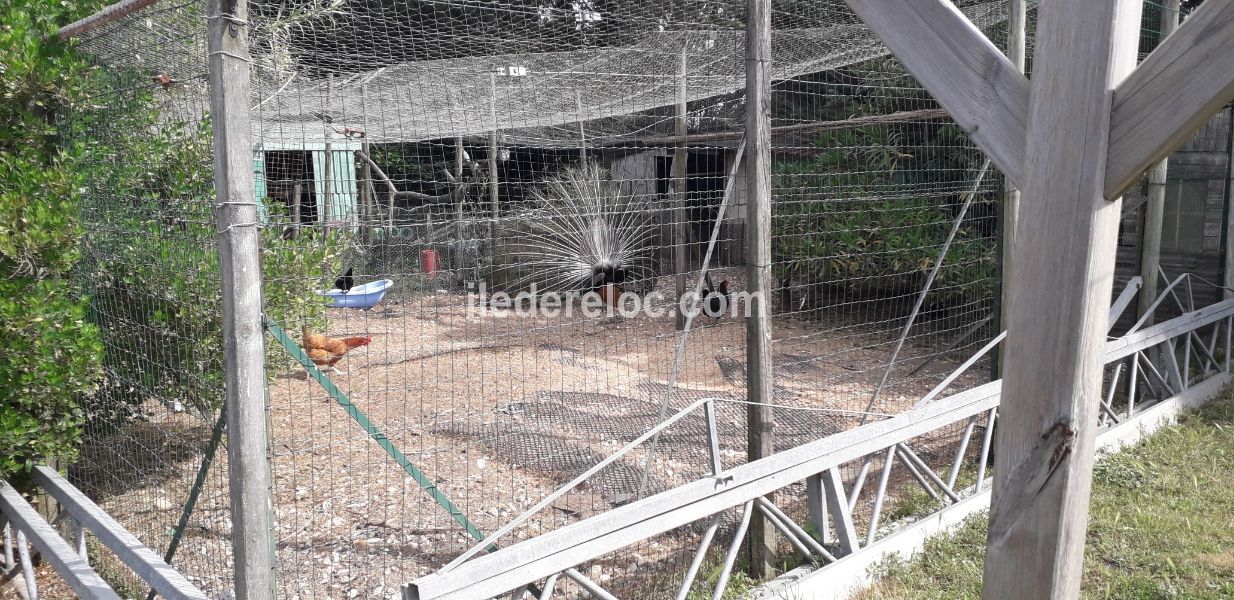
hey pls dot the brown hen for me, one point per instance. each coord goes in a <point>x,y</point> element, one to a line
<point>327,351</point>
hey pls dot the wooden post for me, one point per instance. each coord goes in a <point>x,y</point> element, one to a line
<point>1227,235</point>
<point>582,132</point>
<point>243,347</point>
<point>493,197</point>
<point>1154,208</point>
<point>1017,18</point>
<point>296,191</point>
<point>366,172</point>
<point>758,242</point>
<point>460,196</point>
<point>681,163</point>
<point>1059,303</point>
<point>327,178</point>
<point>1228,232</point>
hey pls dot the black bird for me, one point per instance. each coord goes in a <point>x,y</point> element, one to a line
<point>716,300</point>
<point>345,282</point>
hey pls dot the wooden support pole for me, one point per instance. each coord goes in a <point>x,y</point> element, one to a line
<point>366,173</point>
<point>492,160</point>
<point>1059,303</point>
<point>243,341</point>
<point>460,194</point>
<point>296,191</point>
<point>681,160</point>
<point>1227,235</point>
<point>1154,208</point>
<point>327,178</point>
<point>1017,19</point>
<point>758,275</point>
<point>582,131</point>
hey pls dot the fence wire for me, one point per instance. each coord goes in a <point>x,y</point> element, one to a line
<point>442,155</point>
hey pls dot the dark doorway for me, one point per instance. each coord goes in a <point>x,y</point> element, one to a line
<point>705,179</point>
<point>286,172</point>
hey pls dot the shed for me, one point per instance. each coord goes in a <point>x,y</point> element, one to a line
<point>283,168</point>
<point>1196,205</point>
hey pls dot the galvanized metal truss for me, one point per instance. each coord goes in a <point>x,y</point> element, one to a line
<point>1161,361</point>
<point>72,562</point>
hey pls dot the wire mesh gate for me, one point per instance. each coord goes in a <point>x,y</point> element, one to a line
<point>472,152</point>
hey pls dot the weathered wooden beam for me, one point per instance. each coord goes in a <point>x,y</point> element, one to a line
<point>1227,237</point>
<point>1174,91</point>
<point>1154,207</point>
<point>681,164</point>
<point>108,14</point>
<point>905,116</point>
<point>243,336</point>
<point>760,417</point>
<point>75,571</point>
<point>1058,303</point>
<point>494,574</point>
<point>141,559</point>
<point>984,92</point>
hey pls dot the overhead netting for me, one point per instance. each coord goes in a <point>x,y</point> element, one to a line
<point>442,152</point>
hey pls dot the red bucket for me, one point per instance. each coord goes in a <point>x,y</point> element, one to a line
<point>430,262</point>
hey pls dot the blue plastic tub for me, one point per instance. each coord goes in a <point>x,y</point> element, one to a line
<point>361,296</point>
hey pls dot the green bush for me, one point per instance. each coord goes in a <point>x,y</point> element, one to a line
<point>154,274</point>
<point>51,354</point>
<point>861,214</point>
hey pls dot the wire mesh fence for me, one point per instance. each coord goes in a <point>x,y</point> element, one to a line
<point>492,210</point>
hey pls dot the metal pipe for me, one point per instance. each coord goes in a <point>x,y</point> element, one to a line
<point>959,455</point>
<point>808,539</point>
<point>27,567</point>
<point>858,483</point>
<point>9,562</point>
<point>79,536</point>
<point>592,587</point>
<point>550,584</point>
<point>929,472</point>
<point>1108,404</point>
<point>917,476</point>
<point>881,494</point>
<point>699,555</point>
<point>1132,382</point>
<point>779,525</point>
<point>733,549</point>
<point>986,439</point>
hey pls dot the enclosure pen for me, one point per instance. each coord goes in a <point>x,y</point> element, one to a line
<point>512,206</point>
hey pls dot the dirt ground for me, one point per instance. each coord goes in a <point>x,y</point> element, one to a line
<point>498,411</point>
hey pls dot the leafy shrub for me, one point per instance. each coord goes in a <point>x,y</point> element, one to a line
<point>862,214</point>
<point>50,352</point>
<point>154,273</point>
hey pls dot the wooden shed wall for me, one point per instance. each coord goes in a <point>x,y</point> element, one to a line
<point>1203,158</point>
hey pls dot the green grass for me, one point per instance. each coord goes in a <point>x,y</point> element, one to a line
<point>1161,524</point>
